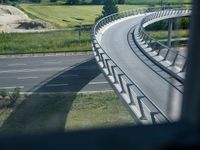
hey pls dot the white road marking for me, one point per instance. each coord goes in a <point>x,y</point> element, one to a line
<point>80,92</point>
<point>45,69</point>
<point>17,64</point>
<point>33,70</point>
<point>12,87</point>
<point>91,83</point>
<point>54,85</point>
<point>23,78</point>
<point>53,62</point>
<point>69,75</point>
<point>94,83</point>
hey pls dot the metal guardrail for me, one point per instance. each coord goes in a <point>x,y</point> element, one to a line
<point>142,107</point>
<point>167,58</point>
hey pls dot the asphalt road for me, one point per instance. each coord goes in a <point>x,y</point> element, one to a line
<point>162,94</point>
<point>50,74</point>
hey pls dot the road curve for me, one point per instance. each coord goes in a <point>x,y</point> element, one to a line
<point>114,41</point>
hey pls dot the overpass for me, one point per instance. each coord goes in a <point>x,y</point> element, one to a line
<point>147,75</point>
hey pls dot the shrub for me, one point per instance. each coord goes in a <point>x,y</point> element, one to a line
<point>98,18</point>
<point>13,97</point>
<point>3,93</point>
<point>180,23</point>
<point>53,1</point>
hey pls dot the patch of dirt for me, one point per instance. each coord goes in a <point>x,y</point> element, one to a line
<point>34,24</point>
<point>14,20</point>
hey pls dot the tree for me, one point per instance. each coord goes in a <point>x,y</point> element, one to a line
<point>121,1</point>
<point>109,7</point>
<point>96,2</point>
<point>72,2</point>
<point>3,1</point>
<point>53,1</point>
<point>36,1</point>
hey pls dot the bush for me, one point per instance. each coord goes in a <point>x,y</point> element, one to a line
<point>53,1</point>
<point>13,97</point>
<point>36,1</point>
<point>180,23</point>
<point>98,18</point>
<point>72,2</point>
<point>3,93</point>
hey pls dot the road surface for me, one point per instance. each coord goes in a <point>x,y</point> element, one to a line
<point>49,74</point>
<point>163,95</point>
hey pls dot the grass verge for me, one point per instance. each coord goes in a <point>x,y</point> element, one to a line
<point>52,41</point>
<point>97,110</point>
<point>44,113</point>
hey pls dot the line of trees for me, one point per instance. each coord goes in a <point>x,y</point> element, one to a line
<point>98,2</point>
<point>71,2</point>
<point>93,2</point>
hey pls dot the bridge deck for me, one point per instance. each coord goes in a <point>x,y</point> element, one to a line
<point>163,95</point>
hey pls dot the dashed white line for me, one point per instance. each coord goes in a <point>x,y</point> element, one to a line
<point>23,78</point>
<point>95,83</point>
<point>53,62</point>
<point>54,85</point>
<point>17,64</point>
<point>69,75</point>
<point>91,83</point>
<point>12,87</point>
<point>33,70</point>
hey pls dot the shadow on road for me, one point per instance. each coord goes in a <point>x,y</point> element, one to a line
<point>40,113</point>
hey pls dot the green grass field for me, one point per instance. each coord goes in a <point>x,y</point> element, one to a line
<point>37,113</point>
<point>63,16</point>
<point>146,2</point>
<point>164,34</point>
<point>156,1</point>
<point>52,41</point>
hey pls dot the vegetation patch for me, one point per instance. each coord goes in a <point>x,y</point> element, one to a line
<point>63,16</point>
<point>97,110</point>
<point>44,113</point>
<point>8,99</point>
<point>52,41</point>
<point>163,34</point>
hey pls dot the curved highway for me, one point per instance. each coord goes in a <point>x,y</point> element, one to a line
<point>152,94</point>
<point>114,41</point>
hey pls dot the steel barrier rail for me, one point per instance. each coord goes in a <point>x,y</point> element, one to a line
<point>142,107</point>
<point>167,58</point>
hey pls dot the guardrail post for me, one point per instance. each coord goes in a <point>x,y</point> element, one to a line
<point>109,72</point>
<point>130,95</point>
<point>184,67</point>
<point>173,63</point>
<point>97,53</point>
<point>154,46</point>
<point>139,98</point>
<point>159,50</point>
<point>114,75</point>
<point>149,42</point>
<point>170,26</point>
<point>102,60</point>
<point>121,83</point>
<point>166,54</point>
